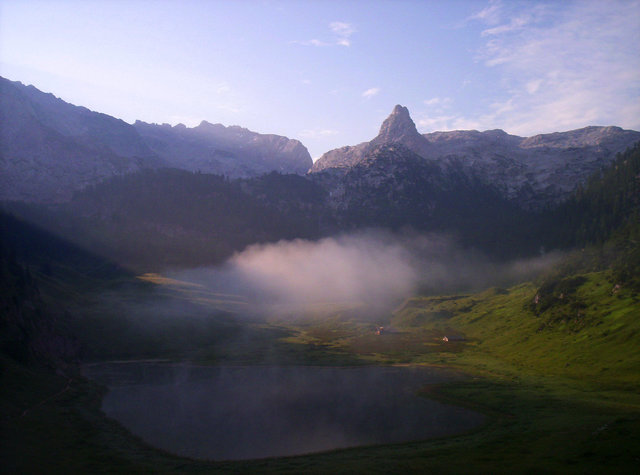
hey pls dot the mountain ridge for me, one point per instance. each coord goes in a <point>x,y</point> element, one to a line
<point>535,171</point>
<point>233,151</point>
<point>50,148</point>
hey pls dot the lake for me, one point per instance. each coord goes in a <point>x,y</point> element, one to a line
<point>245,412</point>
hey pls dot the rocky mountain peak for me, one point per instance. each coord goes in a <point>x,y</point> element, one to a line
<point>397,126</point>
<point>535,171</point>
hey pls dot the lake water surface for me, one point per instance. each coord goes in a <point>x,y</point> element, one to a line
<point>243,412</point>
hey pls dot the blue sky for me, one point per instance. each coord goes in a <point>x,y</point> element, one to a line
<point>329,72</point>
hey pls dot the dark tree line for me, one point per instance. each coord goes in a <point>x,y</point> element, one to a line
<point>168,217</point>
<point>602,222</point>
<point>610,200</point>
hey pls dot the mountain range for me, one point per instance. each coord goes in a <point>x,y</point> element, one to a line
<point>533,171</point>
<point>107,185</point>
<point>50,148</point>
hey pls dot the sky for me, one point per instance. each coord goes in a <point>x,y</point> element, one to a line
<point>329,72</point>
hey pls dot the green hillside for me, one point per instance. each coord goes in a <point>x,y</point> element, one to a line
<point>584,326</point>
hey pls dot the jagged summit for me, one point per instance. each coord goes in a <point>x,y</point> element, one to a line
<point>397,126</point>
<point>400,128</point>
<point>208,126</point>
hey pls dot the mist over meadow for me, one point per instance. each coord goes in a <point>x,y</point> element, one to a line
<point>374,268</point>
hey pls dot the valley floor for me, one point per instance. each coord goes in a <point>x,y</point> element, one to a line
<point>559,380</point>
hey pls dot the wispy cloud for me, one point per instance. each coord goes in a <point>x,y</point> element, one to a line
<point>433,123</point>
<point>438,101</point>
<point>341,28</point>
<point>372,91</point>
<point>514,25</point>
<point>316,42</point>
<point>444,122</point>
<point>341,33</point>
<point>563,65</point>
<point>533,85</point>
<point>317,133</point>
<point>491,14</point>
<point>222,88</point>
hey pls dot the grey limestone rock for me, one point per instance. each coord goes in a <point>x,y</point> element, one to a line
<point>50,148</point>
<point>534,171</point>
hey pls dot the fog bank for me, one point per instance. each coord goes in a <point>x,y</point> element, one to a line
<point>373,268</point>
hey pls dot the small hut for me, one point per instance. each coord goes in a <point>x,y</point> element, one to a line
<point>453,338</point>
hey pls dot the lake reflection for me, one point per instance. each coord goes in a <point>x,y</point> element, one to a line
<point>256,411</point>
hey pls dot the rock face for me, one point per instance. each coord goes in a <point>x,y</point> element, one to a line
<point>400,128</point>
<point>232,151</point>
<point>397,128</point>
<point>49,148</point>
<point>533,171</point>
<point>395,188</point>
